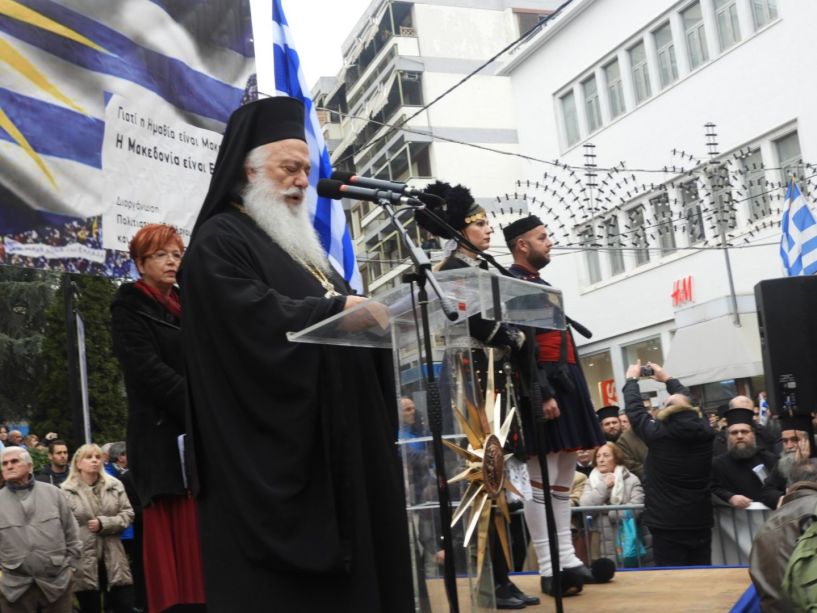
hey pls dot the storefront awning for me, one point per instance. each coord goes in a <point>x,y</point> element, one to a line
<point>716,350</point>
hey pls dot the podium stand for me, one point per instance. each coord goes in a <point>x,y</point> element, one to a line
<point>393,321</point>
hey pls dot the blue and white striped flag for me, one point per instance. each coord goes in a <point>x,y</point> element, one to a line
<point>798,245</point>
<point>328,217</point>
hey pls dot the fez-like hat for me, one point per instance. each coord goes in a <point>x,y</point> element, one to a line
<point>740,416</point>
<point>794,422</point>
<point>517,228</point>
<point>258,123</point>
<point>459,210</point>
<point>608,411</point>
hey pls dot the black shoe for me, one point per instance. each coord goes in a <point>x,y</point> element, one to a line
<point>507,599</point>
<point>572,584</point>
<point>585,573</point>
<point>526,598</point>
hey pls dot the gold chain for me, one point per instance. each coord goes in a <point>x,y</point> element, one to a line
<point>321,278</point>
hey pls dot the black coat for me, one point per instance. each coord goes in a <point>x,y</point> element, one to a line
<point>303,506</point>
<point>147,341</point>
<point>731,477</point>
<point>679,463</point>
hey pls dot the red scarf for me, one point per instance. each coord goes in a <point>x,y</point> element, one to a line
<point>170,302</point>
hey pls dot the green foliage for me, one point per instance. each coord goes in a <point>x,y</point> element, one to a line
<point>105,382</point>
<point>25,295</point>
<point>39,456</point>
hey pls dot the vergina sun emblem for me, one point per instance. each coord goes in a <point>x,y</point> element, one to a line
<point>485,465</point>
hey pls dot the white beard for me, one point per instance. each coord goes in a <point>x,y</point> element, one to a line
<point>289,227</point>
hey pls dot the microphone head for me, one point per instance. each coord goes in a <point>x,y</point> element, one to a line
<point>603,570</point>
<point>343,177</point>
<point>330,188</point>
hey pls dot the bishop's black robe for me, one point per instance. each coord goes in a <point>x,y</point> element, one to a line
<point>300,495</point>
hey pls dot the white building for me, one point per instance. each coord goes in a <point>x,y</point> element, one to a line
<point>639,80</point>
<point>399,57</point>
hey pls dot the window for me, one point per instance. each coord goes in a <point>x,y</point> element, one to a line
<point>641,74</point>
<point>754,180</point>
<point>591,104</point>
<point>598,371</point>
<point>763,12</point>
<point>692,212</point>
<point>788,158</point>
<point>615,89</point>
<point>696,36</point>
<point>528,21</point>
<point>613,236</point>
<point>647,351</point>
<point>571,118</point>
<point>587,238</point>
<point>667,66</point>
<point>726,15</point>
<point>638,232</point>
<point>663,217</point>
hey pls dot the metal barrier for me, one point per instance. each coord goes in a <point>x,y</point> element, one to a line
<point>594,536</point>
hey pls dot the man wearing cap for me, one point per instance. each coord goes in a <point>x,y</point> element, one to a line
<point>571,421</point>
<point>739,476</point>
<point>304,510</point>
<point>610,422</point>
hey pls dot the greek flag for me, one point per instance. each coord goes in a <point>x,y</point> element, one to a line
<point>328,217</point>
<point>798,245</point>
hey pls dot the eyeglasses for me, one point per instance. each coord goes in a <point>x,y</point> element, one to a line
<point>163,256</point>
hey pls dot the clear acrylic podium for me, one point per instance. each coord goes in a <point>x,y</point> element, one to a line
<point>393,321</point>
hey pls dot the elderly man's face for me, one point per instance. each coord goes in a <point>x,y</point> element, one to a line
<point>408,411</point>
<point>287,167</point>
<point>14,469</point>
<point>791,439</point>
<point>15,437</point>
<point>625,422</point>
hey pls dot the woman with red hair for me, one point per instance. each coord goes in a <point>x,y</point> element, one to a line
<point>147,341</point>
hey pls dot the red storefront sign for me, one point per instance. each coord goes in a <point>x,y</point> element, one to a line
<point>682,291</point>
<point>608,392</point>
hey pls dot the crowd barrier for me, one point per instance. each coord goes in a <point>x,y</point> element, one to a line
<point>595,537</point>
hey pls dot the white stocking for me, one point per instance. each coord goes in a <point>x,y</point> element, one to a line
<point>561,468</point>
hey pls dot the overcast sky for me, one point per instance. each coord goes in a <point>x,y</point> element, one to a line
<point>319,27</point>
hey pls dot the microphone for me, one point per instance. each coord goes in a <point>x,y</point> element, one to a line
<point>330,188</point>
<point>392,186</point>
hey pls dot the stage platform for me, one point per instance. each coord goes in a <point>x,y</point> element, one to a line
<point>709,590</point>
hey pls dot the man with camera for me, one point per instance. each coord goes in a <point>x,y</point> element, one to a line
<point>678,505</point>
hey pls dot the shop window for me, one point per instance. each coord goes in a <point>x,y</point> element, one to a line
<point>598,371</point>
<point>649,350</point>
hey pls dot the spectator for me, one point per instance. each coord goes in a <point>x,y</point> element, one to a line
<point>39,543</point>
<point>4,436</point>
<point>633,451</point>
<point>15,439</point>
<point>57,470</point>
<point>775,541</point>
<point>102,510</point>
<point>118,458</point>
<point>625,421</point>
<point>31,441</point>
<point>739,476</point>
<point>147,340</point>
<point>763,437</point>
<point>611,483</point>
<point>584,461</point>
<point>796,448</point>
<point>610,423</point>
<point>678,504</point>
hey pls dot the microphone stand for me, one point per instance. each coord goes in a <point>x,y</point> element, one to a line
<point>422,275</point>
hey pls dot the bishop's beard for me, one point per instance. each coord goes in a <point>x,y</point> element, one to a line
<point>290,227</point>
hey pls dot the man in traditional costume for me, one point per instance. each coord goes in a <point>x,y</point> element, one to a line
<point>304,509</point>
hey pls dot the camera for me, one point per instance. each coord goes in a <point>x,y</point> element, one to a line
<point>646,371</point>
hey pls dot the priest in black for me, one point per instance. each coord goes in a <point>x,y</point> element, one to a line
<point>741,475</point>
<point>301,504</point>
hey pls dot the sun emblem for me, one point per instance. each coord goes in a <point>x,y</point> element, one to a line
<point>485,460</point>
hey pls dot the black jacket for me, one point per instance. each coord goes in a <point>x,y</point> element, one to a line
<point>731,477</point>
<point>47,475</point>
<point>678,468</point>
<point>147,341</point>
